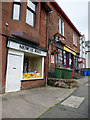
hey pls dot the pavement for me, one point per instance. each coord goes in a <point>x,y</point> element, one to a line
<point>32,103</point>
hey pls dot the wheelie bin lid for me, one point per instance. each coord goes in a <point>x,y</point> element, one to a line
<point>59,68</point>
<point>68,69</point>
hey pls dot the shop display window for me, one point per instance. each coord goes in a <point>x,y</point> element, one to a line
<point>33,67</point>
<point>59,58</point>
<point>75,62</point>
<point>64,58</point>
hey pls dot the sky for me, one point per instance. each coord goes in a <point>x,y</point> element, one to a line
<point>77,11</point>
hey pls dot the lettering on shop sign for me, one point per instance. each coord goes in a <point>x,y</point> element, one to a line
<point>29,49</point>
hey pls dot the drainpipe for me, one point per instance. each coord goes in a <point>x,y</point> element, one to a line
<point>47,24</point>
<point>48,54</point>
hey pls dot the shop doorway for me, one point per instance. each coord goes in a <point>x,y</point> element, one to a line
<point>13,73</point>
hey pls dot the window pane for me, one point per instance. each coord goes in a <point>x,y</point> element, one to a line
<point>64,57</point>
<point>31,5</point>
<point>59,25</point>
<point>30,68</point>
<point>30,18</point>
<point>62,27</point>
<point>74,39</point>
<point>16,12</point>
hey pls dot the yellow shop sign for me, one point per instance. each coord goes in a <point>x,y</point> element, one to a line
<point>68,50</point>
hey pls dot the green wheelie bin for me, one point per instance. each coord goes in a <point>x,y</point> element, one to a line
<point>67,73</point>
<point>59,72</point>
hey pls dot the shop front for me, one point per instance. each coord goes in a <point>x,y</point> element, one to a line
<point>65,57</point>
<point>71,58</point>
<point>24,63</point>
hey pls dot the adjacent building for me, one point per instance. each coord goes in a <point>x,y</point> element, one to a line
<point>87,45</point>
<point>64,40</point>
<point>82,59</point>
<point>31,33</point>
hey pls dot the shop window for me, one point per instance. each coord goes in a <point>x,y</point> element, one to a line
<point>31,12</point>
<point>56,59</point>
<point>75,62</point>
<point>16,10</point>
<point>64,58</point>
<point>33,67</point>
<point>70,61</point>
<point>59,58</point>
<point>74,39</point>
<point>59,25</point>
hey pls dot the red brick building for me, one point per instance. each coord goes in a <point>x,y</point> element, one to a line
<point>63,37</point>
<point>27,31</point>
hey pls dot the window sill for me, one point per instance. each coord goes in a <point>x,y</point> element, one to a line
<point>15,19</point>
<point>31,79</point>
<point>30,25</point>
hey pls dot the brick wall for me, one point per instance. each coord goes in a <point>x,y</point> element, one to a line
<point>39,32</point>
<point>43,23</point>
<point>4,62</point>
<point>20,25</point>
<point>32,84</point>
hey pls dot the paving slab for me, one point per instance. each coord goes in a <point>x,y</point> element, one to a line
<point>73,101</point>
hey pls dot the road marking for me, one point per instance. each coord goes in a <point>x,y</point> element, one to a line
<point>73,101</point>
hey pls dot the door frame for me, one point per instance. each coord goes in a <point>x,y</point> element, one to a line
<point>18,53</point>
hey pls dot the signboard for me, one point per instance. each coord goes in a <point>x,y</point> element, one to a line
<point>68,50</point>
<point>80,60</point>
<point>25,48</point>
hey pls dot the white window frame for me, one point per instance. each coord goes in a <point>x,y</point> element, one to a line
<point>62,27</point>
<point>31,12</point>
<point>59,25</point>
<point>42,77</point>
<point>16,10</point>
<point>75,39</point>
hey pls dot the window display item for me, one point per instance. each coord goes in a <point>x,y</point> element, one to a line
<point>31,75</point>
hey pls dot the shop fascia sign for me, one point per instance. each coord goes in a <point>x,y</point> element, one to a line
<point>25,48</point>
<point>68,50</point>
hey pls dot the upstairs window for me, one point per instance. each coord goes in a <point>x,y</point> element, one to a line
<point>31,12</point>
<point>59,25</point>
<point>16,10</point>
<point>74,39</point>
<point>62,27</point>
